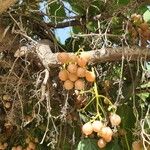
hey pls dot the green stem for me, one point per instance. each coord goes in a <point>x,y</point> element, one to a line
<point>87,104</point>
<point>127,142</point>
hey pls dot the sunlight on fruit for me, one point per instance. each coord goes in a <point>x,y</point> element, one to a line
<point>68,85</point>
<point>79,84</point>
<point>101,143</point>
<point>97,126</point>
<point>72,68</point>
<point>63,57</point>
<point>63,75</point>
<point>87,128</point>
<point>115,119</point>
<point>90,76</point>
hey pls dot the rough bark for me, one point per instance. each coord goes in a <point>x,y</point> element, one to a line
<point>49,59</point>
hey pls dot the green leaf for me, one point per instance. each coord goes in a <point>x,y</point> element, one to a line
<point>57,11</point>
<point>143,96</point>
<point>128,121</point>
<point>146,16</point>
<point>88,144</point>
<point>76,6</point>
<point>90,26</point>
<point>113,145</point>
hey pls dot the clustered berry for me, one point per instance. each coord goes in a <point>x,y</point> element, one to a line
<point>30,145</point>
<point>138,28</point>
<point>75,73</point>
<point>104,132</point>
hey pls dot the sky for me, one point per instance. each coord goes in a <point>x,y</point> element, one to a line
<point>63,33</point>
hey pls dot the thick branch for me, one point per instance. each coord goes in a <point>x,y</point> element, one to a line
<point>114,54</point>
<point>102,55</point>
<point>5,4</point>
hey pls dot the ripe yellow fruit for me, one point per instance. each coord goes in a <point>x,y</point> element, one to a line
<point>6,97</point>
<point>72,68</point>
<point>108,139</point>
<point>90,76</point>
<point>73,58</point>
<point>63,57</point>
<point>85,55</point>
<point>5,145</point>
<point>106,133</point>
<point>72,77</point>
<point>2,147</point>
<point>82,61</point>
<point>137,145</point>
<point>27,140</point>
<point>68,85</point>
<point>79,84</point>
<point>31,145</point>
<point>19,147</point>
<point>7,104</point>
<point>97,126</point>
<point>28,148</point>
<point>13,148</point>
<point>63,75</point>
<point>81,72</point>
<point>115,119</point>
<point>87,128</point>
<point>101,143</point>
<point>36,140</point>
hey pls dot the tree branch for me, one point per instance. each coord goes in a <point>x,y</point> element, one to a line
<point>78,21</point>
<point>48,59</point>
<point>5,4</point>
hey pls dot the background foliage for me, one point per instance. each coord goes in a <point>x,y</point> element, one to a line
<point>94,24</point>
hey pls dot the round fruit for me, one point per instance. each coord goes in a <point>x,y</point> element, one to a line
<point>6,97</point>
<point>31,145</point>
<point>63,75</point>
<point>19,147</point>
<point>28,148</point>
<point>81,72</point>
<point>72,68</point>
<point>63,57</point>
<point>27,140</point>
<point>90,76</point>
<point>13,148</point>
<point>115,119</point>
<point>85,55</point>
<point>87,128</point>
<point>5,145</point>
<point>108,139</point>
<point>101,143</point>
<point>7,104</point>
<point>72,77</point>
<point>36,140</point>
<point>106,133</point>
<point>73,58</point>
<point>2,147</point>
<point>79,84</point>
<point>97,126</point>
<point>137,145</point>
<point>68,85</point>
<point>82,61</point>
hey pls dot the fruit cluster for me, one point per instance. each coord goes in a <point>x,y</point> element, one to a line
<point>75,73</point>
<point>138,28</point>
<point>30,145</point>
<point>7,101</point>
<point>3,146</point>
<point>104,132</point>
